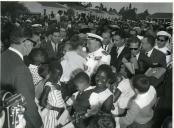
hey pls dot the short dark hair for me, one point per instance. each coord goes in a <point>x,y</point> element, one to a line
<point>134,39</point>
<point>141,83</point>
<point>75,41</point>
<point>83,76</point>
<point>120,33</point>
<point>19,32</point>
<point>107,69</point>
<point>43,70</point>
<point>54,69</point>
<point>36,54</point>
<point>150,40</point>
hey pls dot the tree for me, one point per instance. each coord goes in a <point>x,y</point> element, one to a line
<point>143,15</point>
<point>130,6</point>
<point>101,6</point>
<point>110,10</point>
<point>13,9</point>
<point>70,12</point>
<point>122,10</point>
<point>115,11</point>
<point>97,7</point>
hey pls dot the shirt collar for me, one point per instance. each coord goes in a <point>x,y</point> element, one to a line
<point>17,52</point>
<point>137,56</point>
<point>145,99</point>
<point>89,88</point>
<point>33,66</point>
<point>149,52</point>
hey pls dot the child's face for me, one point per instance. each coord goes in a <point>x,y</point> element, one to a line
<point>101,79</point>
<point>81,84</point>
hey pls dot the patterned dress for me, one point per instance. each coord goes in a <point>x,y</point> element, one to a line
<point>55,99</point>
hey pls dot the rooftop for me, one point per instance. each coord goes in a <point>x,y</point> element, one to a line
<point>161,15</point>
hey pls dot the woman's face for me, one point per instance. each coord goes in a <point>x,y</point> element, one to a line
<point>101,79</point>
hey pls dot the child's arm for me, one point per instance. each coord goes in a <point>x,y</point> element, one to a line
<point>44,96</point>
<point>130,116</point>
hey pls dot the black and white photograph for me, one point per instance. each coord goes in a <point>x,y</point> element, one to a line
<point>85,64</point>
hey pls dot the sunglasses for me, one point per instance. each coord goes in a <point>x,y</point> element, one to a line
<point>133,48</point>
<point>34,42</point>
<point>160,40</point>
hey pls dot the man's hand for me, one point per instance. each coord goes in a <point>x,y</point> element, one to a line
<point>134,61</point>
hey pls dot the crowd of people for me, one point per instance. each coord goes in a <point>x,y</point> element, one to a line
<point>88,72</point>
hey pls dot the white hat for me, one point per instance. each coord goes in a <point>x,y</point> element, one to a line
<point>28,21</point>
<point>36,25</point>
<point>91,35</point>
<point>163,33</point>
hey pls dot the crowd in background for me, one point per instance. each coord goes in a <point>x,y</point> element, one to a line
<point>89,72</point>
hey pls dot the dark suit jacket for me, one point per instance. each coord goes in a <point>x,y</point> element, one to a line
<point>117,62</point>
<point>47,46</point>
<point>16,77</point>
<point>141,69</point>
<point>157,59</point>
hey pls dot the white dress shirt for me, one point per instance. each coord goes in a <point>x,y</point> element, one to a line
<point>17,52</point>
<point>120,49</point>
<point>149,52</point>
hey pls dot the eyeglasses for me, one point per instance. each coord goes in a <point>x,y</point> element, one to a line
<point>133,48</point>
<point>160,40</point>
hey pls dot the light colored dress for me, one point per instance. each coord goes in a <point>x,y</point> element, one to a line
<point>97,99</point>
<point>55,99</point>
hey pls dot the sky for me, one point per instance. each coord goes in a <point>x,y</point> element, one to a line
<point>152,7</point>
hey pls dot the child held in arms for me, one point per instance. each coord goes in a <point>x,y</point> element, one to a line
<point>80,102</point>
<point>140,110</point>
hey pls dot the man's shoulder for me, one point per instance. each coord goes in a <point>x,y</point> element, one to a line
<point>158,53</point>
<point>105,53</point>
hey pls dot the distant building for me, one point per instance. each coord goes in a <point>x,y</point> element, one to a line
<point>165,17</point>
<point>103,14</point>
<point>44,7</point>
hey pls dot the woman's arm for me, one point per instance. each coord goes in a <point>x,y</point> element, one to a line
<point>107,105</point>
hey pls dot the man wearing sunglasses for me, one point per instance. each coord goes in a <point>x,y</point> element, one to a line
<point>15,75</point>
<point>162,40</point>
<point>152,58</point>
<point>135,56</point>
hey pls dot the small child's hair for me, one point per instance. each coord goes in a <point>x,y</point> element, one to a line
<point>43,70</point>
<point>54,69</point>
<point>141,83</point>
<point>82,76</point>
<point>38,56</point>
<point>107,69</point>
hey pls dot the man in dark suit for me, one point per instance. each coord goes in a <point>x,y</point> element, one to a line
<point>53,46</point>
<point>16,77</point>
<point>135,56</point>
<point>152,57</point>
<point>119,50</point>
